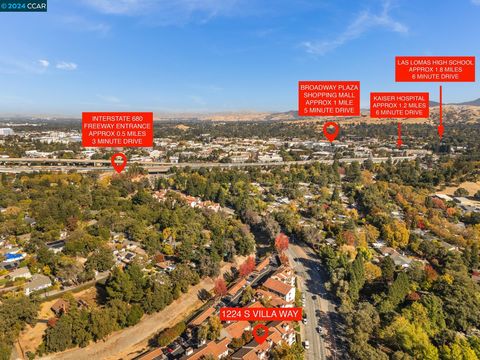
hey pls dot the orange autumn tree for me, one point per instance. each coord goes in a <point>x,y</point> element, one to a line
<point>220,288</point>
<point>281,243</point>
<point>247,267</point>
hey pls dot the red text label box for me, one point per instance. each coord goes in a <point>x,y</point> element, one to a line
<point>435,68</point>
<point>399,105</point>
<point>261,314</point>
<point>329,98</point>
<point>117,129</point>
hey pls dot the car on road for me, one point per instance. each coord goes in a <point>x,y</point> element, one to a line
<point>319,329</point>
<point>314,297</point>
<point>318,312</point>
<point>306,344</point>
<point>305,321</point>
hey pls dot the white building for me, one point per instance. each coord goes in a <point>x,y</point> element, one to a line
<point>6,132</point>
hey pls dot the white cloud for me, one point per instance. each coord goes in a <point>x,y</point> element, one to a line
<point>165,12</point>
<point>476,2</point>
<point>63,65</point>
<point>44,63</point>
<point>11,65</point>
<point>364,22</point>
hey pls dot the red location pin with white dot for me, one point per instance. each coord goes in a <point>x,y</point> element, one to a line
<point>260,338</point>
<point>331,135</point>
<point>119,166</point>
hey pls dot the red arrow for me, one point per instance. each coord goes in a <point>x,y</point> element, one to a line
<point>441,129</point>
<point>399,131</point>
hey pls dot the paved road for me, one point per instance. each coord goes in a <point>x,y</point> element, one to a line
<point>27,165</point>
<point>311,282</point>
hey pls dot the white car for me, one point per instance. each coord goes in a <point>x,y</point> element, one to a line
<point>306,344</point>
<point>305,321</point>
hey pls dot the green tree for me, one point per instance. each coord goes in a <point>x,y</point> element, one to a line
<point>410,338</point>
<point>357,277</point>
<point>119,285</point>
<point>135,315</point>
<point>396,293</point>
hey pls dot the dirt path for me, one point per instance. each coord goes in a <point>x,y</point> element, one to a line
<point>130,342</point>
<point>471,187</point>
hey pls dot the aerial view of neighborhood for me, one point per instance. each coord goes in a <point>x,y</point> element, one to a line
<point>239,180</point>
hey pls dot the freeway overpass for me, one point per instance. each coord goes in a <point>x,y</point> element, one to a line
<point>27,165</point>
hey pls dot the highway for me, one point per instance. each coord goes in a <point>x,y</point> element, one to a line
<point>27,165</point>
<point>319,310</point>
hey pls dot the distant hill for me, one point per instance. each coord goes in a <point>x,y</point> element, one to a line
<point>471,103</point>
<point>468,103</point>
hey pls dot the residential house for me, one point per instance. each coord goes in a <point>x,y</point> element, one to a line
<point>236,329</point>
<point>204,315</point>
<point>60,307</point>
<point>217,349</point>
<point>56,246</point>
<point>285,274</point>
<point>22,272</point>
<point>237,287</point>
<point>37,282</point>
<point>286,291</point>
<point>263,264</point>
<point>156,354</point>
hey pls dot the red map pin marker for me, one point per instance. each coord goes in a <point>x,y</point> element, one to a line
<point>328,135</point>
<point>119,167</point>
<point>260,338</point>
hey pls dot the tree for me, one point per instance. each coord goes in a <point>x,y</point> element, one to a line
<point>388,268</point>
<point>477,195</point>
<point>59,337</point>
<point>15,312</point>
<point>220,288</point>
<point>101,324</point>
<point>247,267</point>
<point>135,273</point>
<point>215,327</point>
<point>461,192</point>
<point>411,338</point>
<point>119,285</point>
<point>287,352</point>
<point>135,315</point>
<point>396,234</point>
<point>361,324</point>
<point>372,233</point>
<point>459,349</point>
<point>247,295</point>
<point>100,260</point>
<point>271,226</point>
<point>281,242</point>
<point>396,293</point>
<point>372,271</point>
<point>357,277</point>
<point>168,335</point>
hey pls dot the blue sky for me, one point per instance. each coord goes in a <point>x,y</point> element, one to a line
<point>220,55</point>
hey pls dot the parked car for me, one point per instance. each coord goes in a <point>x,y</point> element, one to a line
<point>306,344</point>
